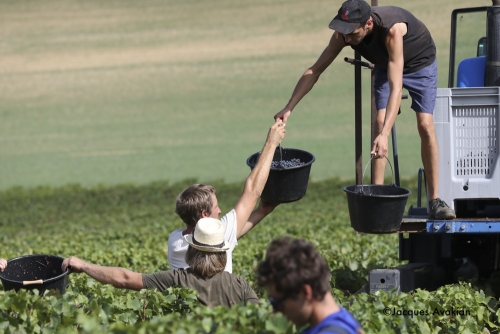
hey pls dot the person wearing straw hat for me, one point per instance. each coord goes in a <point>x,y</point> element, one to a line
<point>3,264</point>
<point>404,54</point>
<point>199,201</point>
<point>206,256</point>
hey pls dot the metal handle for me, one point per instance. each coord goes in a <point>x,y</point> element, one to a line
<point>359,62</point>
<point>281,156</point>
<point>39,281</point>
<point>363,177</point>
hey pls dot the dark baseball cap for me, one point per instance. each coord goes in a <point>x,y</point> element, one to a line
<point>350,15</point>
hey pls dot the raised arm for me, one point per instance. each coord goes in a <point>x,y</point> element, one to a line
<point>118,277</point>
<point>254,185</point>
<point>394,44</point>
<point>312,74</point>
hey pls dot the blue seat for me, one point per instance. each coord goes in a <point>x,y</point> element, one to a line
<point>470,72</point>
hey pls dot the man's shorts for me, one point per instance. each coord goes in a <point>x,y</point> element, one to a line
<point>422,86</point>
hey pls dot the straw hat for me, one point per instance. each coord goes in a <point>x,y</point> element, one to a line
<point>208,236</point>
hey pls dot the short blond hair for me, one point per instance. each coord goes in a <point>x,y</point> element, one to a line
<point>191,203</point>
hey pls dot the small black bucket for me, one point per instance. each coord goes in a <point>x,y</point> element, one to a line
<point>40,271</point>
<point>286,185</point>
<point>376,209</point>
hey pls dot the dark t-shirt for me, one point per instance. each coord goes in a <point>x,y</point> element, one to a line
<point>418,47</point>
<point>222,289</point>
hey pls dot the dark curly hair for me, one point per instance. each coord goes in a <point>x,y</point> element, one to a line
<point>292,263</point>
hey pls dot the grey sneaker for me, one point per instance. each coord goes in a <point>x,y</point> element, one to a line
<point>438,209</point>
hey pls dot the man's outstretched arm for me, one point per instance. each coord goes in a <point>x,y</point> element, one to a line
<point>312,74</point>
<point>118,277</point>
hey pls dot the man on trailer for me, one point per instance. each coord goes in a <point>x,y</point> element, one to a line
<point>404,55</point>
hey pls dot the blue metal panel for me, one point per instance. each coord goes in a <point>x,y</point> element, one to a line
<point>463,226</point>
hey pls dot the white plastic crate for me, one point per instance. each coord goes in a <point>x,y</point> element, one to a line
<point>467,129</point>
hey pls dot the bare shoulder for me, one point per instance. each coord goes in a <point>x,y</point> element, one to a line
<point>398,30</point>
<point>337,41</point>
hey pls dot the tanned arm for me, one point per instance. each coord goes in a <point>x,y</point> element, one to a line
<point>254,184</point>
<point>312,74</point>
<point>394,44</point>
<point>118,277</point>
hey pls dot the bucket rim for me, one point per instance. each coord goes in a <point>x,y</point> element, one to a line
<point>313,158</point>
<point>357,193</point>
<point>49,280</point>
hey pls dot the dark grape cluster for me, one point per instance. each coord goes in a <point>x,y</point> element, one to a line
<point>287,163</point>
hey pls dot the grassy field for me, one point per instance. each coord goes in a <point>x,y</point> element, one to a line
<point>134,91</point>
<point>128,226</point>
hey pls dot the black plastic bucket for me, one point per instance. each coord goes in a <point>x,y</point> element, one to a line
<point>286,185</point>
<point>39,271</point>
<point>376,209</point>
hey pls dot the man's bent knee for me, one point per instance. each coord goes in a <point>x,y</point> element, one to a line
<point>425,123</point>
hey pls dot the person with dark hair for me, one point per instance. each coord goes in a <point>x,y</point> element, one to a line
<point>206,257</point>
<point>3,264</point>
<point>403,52</point>
<point>297,280</point>
<point>199,201</point>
